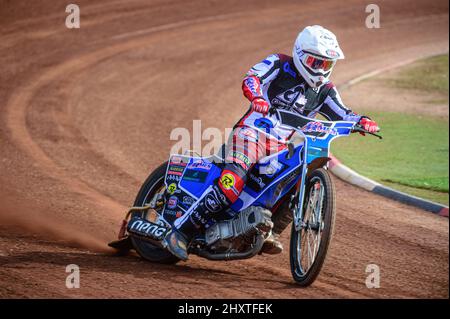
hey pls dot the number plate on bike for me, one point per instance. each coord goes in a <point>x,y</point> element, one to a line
<point>144,228</point>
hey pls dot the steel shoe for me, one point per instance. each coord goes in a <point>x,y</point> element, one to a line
<point>177,244</point>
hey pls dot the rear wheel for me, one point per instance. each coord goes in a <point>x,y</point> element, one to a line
<point>153,184</point>
<point>310,243</point>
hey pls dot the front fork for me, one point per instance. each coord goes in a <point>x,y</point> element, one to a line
<point>298,212</point>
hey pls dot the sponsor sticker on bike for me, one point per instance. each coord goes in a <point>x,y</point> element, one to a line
<point>212,203</point>
<point>258,180</point>
<point>172,202</point>
<point>172,177</point>
<point>174,168</point>
<point>172,188</point>
<point>318,127</point>
<point>239,158</point>
<point>143,227</point>
<point>227,181</point>
<point>192,175</point>
<point>188,200</point>
<point>177,160</point>
<point>200,164</point>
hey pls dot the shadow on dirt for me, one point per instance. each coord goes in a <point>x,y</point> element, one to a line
<point>111,263</point>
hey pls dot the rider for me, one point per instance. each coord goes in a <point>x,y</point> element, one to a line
<point>299,83</point>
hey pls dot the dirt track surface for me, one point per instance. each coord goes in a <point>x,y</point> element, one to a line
<point>86,115</point>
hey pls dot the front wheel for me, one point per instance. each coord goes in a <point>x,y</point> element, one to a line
<point>309,245</point>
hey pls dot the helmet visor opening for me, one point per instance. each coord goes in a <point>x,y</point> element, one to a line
<point>319,64</point>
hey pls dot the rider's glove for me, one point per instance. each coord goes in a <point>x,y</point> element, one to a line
<point>368,125</point>
<point>260,105</point>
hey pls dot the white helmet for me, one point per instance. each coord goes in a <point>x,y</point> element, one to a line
<point>315,53</point>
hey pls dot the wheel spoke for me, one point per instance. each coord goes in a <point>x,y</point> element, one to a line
<point>309,237</point>
<point>309,249</point>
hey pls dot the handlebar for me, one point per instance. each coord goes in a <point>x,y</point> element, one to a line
<point>356,129</point>
<point>359,129</point>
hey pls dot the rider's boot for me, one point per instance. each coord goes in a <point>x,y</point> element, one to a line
<point>281,220</point>
<point>186,227</point>
<point>272,244</point>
